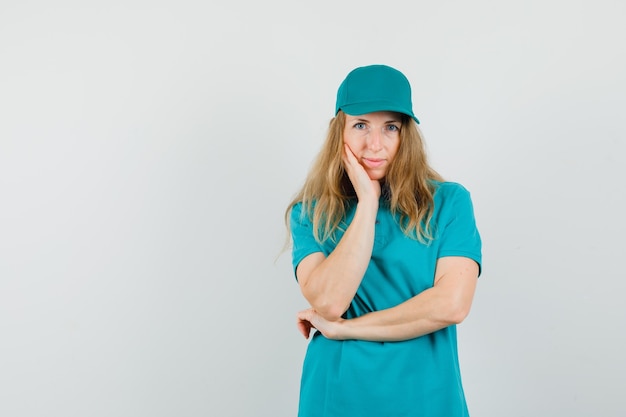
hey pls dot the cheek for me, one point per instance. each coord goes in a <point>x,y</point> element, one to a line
<point>351,141</point>
<point>393,149</point>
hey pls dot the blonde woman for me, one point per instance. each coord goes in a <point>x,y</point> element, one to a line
<point>387,254</point>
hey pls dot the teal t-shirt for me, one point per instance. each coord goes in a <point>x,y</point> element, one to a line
<point>417,377</point>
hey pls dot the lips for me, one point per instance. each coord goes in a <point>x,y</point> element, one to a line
<point>372,162</point>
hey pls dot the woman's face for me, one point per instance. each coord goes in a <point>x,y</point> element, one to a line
<point>374,139</point>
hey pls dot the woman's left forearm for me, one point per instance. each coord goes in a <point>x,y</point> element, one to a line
<point>448,302</point>
<point>421,315</point>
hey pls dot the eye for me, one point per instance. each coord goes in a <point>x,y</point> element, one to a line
<point>359,126</point>
<point>393,128</point>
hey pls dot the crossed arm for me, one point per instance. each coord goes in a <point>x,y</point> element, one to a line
<point>447,302</point>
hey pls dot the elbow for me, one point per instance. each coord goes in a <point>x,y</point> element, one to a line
<point>458,317</point>
<point>329,311</point>
<point>457,314</point>
<point>327,307</point>
<point>333,313</point>
<point>454,310</point>
<point>455,307</point>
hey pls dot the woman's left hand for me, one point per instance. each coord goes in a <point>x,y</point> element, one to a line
<point>309,319</point>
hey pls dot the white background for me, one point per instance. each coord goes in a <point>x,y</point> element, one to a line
<point>148,151</point>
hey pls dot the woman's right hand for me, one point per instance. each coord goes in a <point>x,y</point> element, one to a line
<point>365,187</point>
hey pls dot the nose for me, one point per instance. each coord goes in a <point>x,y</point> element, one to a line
<point>374,140</point>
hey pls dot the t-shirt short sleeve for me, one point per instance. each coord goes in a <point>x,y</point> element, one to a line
<point>458,233</point>
<point>304,242</point>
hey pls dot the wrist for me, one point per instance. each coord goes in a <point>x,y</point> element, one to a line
<point>368,207</point>
<point>337,330</point>
<point>342,330</point>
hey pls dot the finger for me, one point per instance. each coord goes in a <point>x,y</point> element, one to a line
<point>349,156</point>
<point>352,165</point>
<point>302,329</point>
<point>305,328</point>
<point>303,322</point>
<point>304,314</point>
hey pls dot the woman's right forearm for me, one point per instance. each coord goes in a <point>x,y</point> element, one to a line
<point>330,285</point>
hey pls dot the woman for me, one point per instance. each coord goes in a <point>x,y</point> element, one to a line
<point>388,256</point>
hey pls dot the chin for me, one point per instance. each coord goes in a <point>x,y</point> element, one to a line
<point>376,176</point>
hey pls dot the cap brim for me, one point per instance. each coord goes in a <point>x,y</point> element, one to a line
<point>358,109</point>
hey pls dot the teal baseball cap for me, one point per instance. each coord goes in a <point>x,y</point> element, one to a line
<point>375,88</point>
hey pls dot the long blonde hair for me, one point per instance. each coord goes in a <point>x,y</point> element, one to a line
<point>408,185</point>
